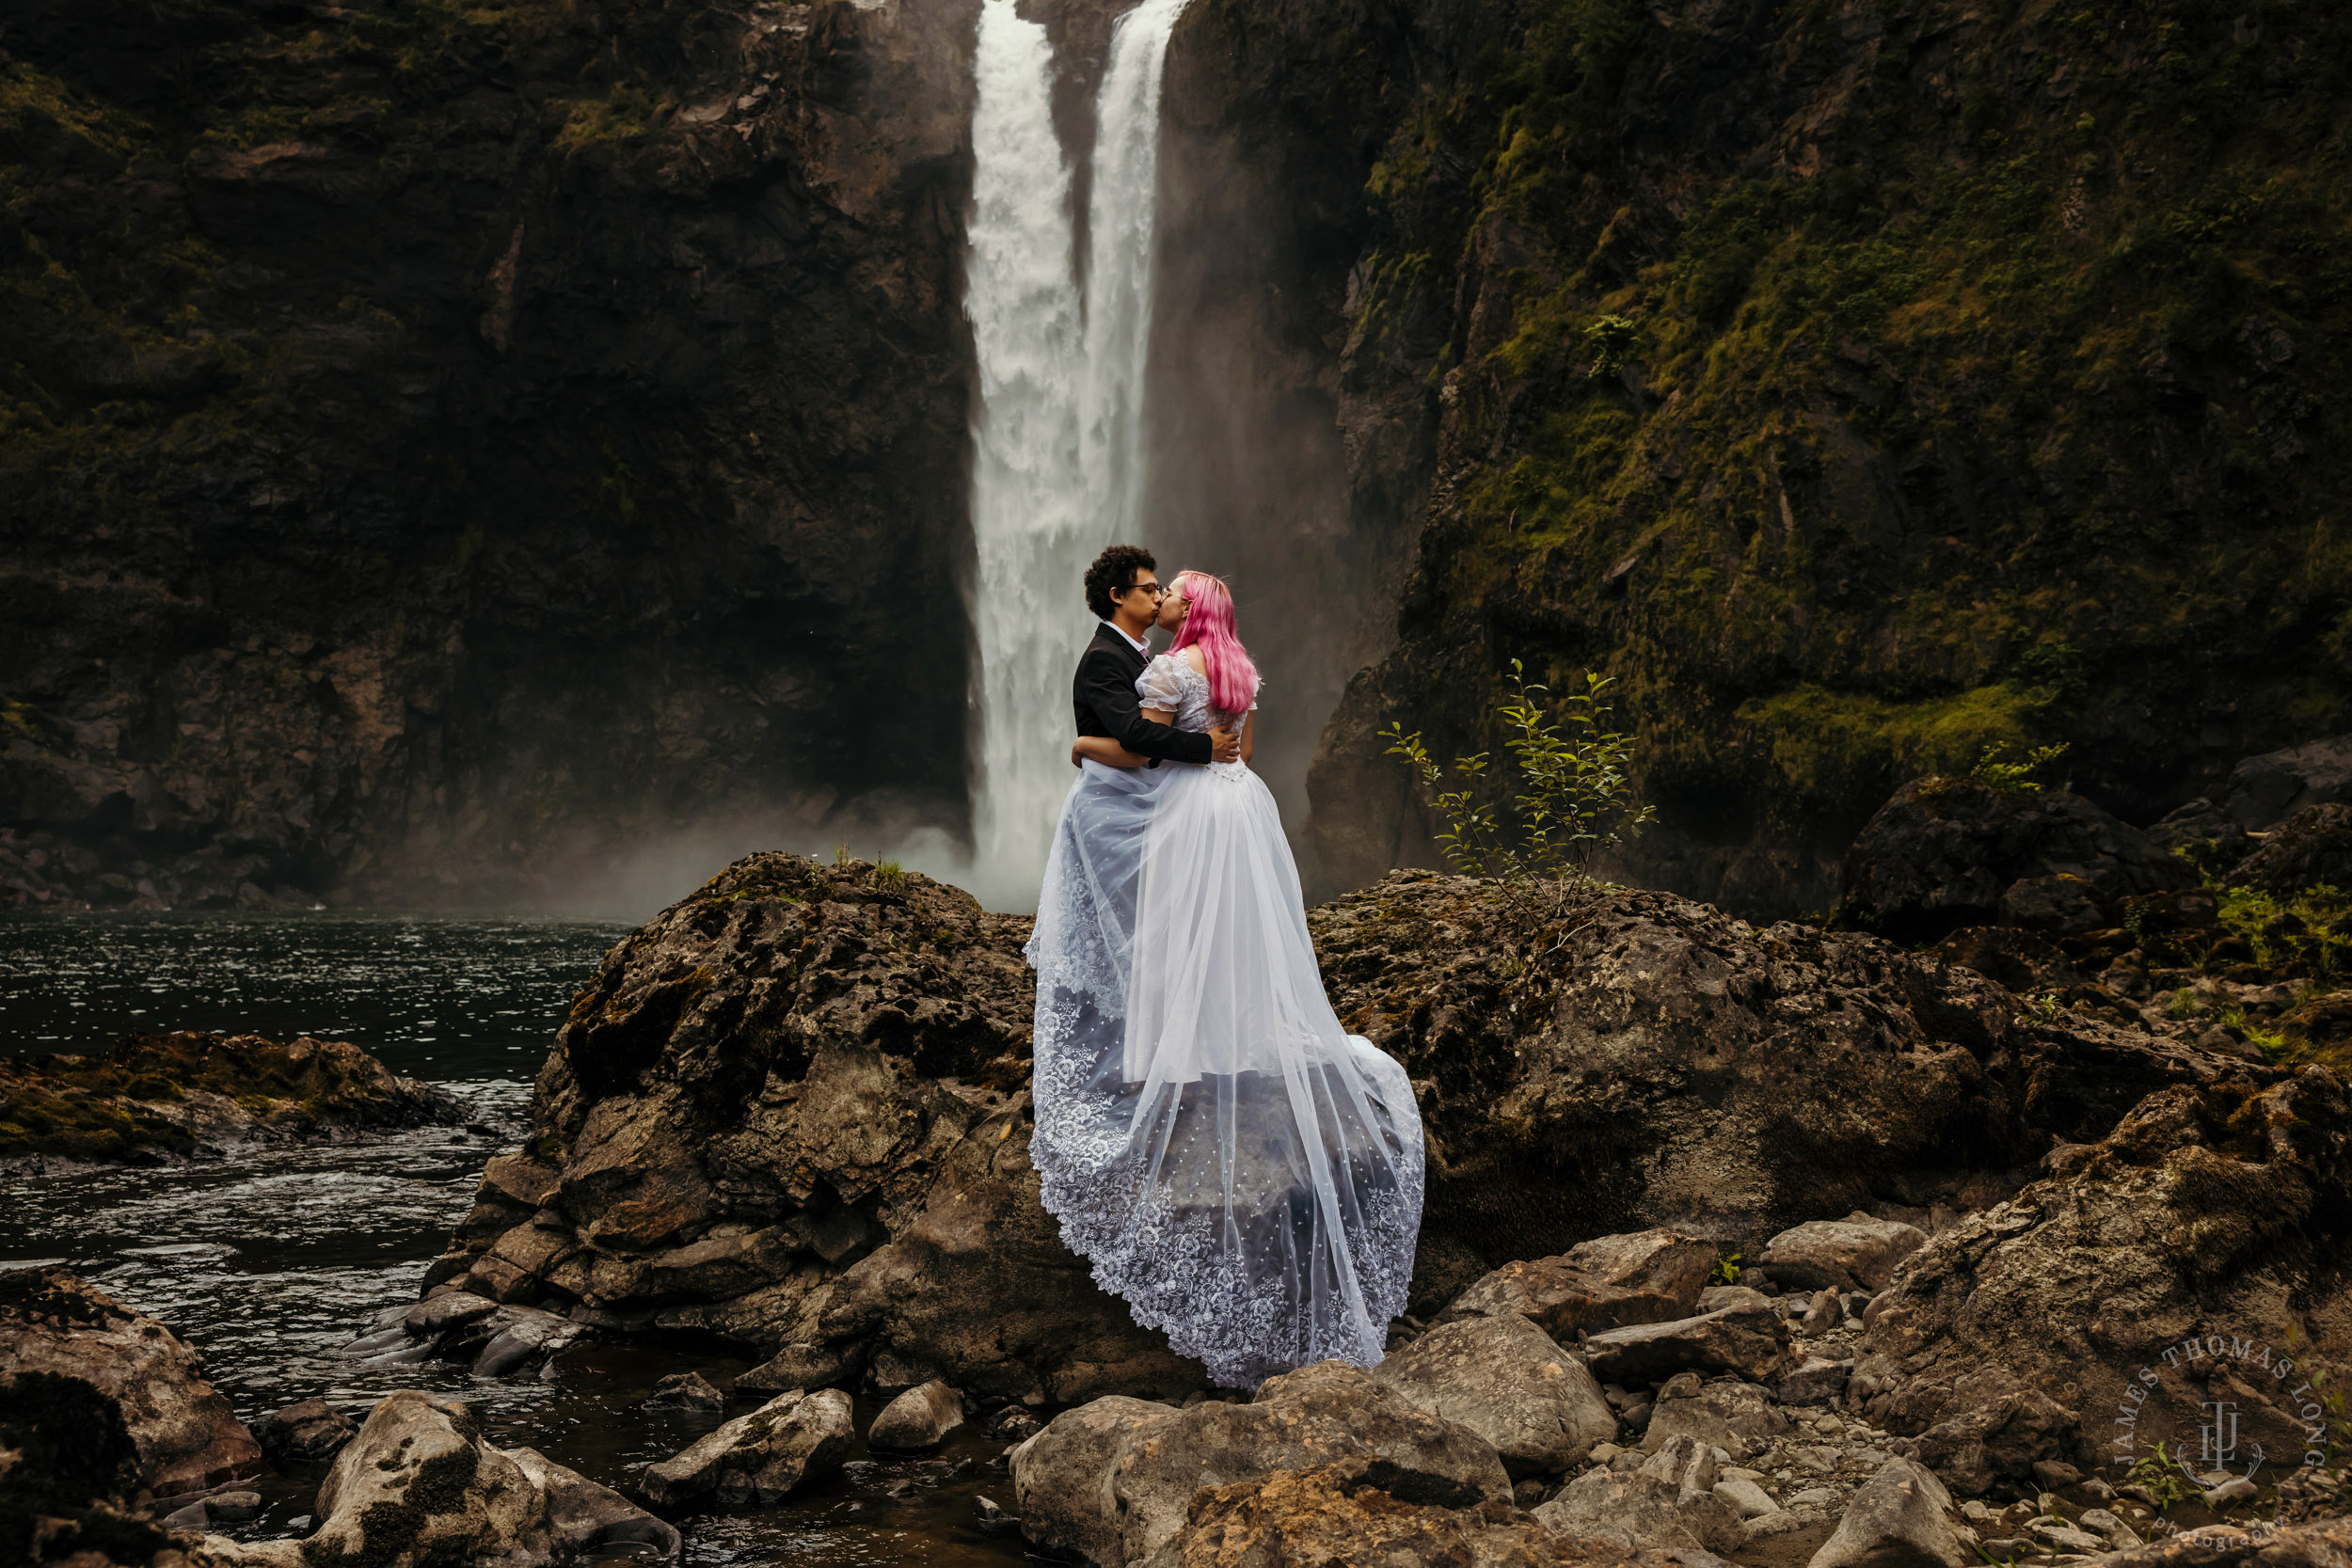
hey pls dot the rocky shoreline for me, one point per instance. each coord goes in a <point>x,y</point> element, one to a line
<point>158,1097</point>
<point>1760,1245</point>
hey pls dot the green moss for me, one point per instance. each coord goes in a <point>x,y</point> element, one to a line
<point>622,115</point>
<point>1941,445</point>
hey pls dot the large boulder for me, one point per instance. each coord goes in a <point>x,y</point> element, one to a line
<point>1674,1066</point>
<point>1897,1520</point>
<point>1946,852</point>
<point>57,1329</point>
<point>1860,1252</point>
<point>2312,847</point>
<point>2204,1240</point>
<point>1642,1277</point>
<point>165,1096</point>
<point>1111,1482</point>
<point>793,1111</point>
<point>1374,1511</point>
<point>2268,789</point>
<point>760,1458</point>
<point>419,1486</point>
<point>69,1477</point>
<point>1729,1415</point>
<point>1505,1380</point>
<point>1669,1501</point>
<point>919,1418</point>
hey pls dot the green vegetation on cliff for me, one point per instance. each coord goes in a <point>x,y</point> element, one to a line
<point>1865,386</point>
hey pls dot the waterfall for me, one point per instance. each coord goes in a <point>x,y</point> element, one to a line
<point>1059,452</point>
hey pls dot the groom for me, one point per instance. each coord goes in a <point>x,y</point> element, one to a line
<point>1124,591</point>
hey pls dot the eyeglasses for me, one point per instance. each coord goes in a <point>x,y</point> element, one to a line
<point>1155,590</point>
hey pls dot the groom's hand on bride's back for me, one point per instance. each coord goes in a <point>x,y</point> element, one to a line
<point>1225,745</point>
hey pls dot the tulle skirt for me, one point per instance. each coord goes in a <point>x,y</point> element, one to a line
<point>1246,1173</point>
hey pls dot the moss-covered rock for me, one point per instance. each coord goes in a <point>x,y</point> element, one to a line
<point>157,1097</point>
<point>1863,385</point>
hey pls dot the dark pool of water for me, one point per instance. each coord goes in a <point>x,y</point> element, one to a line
<point>271,1262</point>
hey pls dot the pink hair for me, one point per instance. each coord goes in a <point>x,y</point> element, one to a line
<point>1232,678</point>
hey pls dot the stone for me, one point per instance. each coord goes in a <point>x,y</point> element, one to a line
<point>1821,1314</point>
<point>990,1518</point>
<point>760,1458</point>
<point>2237,1489</point>
<point>1111,1480</point>
<point>2200,1209</point>
<point>167,1096</point>
<point>417,1485</point>
<point>1373,1511</point>
<point>1859,1252</point>
<point>1642,1276</point>
<point>1751,1341</point>
<point>802,1366</point>
<point>2119,1536</point>
<point>524,1336</point>
<point>1507,1381</point>
<point>55,1328</point>
<point>1896,1520</point>
<point>232,1507</point>
<point>919,1418</point>
<point>687,1391</point>
<point>2204,830</point>
<point>2052,1474</point>
<point>2311,847</point>
<point>2065,905</point>
<point>1738,1418</point>
<point>304,1437</point>
<point>1944,853</point>
<point>1752,1500</point>
<point>1716,1297</point>
<point>2064,1537</point>
<point>1669,1501</point>
<point>437,1315</point>
<point>2268,789</point>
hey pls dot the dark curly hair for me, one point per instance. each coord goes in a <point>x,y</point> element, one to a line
<point>1113,570</point>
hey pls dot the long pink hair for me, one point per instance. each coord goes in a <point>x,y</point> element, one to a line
<point>1232,678</point>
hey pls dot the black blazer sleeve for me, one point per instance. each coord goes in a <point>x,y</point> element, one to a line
<point>1110,690</point>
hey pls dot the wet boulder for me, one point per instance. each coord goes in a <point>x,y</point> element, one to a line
<point>57,1328</point>
<point>1857,1253</point>
<point>420,1485</point>
<point>163,1096</point>
<point>687,1391</point>
<point>70,1488</point>
<point>304,1437</point>
<point>1112,1481</point>
<point>1948,852</point>
<point>1505,1380</point>
<point>919,1418</point>
<point>1609,1281</point>
<point>760,1458</point>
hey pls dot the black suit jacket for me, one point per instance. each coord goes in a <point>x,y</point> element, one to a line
<point>1105,697</point>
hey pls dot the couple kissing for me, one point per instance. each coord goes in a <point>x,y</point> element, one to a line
<point>1241,1170</point>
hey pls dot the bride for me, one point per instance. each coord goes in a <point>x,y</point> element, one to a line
<point>1243,1171</point>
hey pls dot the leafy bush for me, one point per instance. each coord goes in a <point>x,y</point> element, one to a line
<point>2309,934</point>
<point>1575,797</point>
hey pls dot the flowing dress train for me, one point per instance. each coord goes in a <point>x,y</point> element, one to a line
<point>1245,1173</point>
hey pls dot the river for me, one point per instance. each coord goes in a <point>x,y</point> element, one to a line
<point>271,1261</point>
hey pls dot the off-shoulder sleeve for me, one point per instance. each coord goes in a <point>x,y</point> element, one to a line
<point>1162,684</point>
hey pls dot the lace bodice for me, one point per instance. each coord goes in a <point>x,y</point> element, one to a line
<point>1169,683</point>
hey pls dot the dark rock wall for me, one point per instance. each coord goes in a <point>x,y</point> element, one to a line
<point>1863,382</point>
<point>439,443</point>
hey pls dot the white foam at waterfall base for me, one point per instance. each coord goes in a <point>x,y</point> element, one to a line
<point>1058,462</point>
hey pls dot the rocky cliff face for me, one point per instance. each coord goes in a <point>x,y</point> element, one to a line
<point>439,442</point>
<point>1863,382</point>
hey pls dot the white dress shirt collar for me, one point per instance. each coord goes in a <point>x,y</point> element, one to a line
<point>1138,643</point>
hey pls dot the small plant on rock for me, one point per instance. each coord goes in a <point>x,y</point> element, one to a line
<point>1575,796</point>
<point>2159,1475</point>
<point>889,876</point>
<point>2014,774</point>
<point>1726,1270</point>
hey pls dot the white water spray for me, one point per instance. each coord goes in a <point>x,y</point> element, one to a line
<point>1058,461</point>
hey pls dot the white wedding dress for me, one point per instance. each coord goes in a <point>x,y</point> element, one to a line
<point>1238,1167</point>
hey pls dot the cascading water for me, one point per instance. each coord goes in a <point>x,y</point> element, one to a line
<point>1057,469</point>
